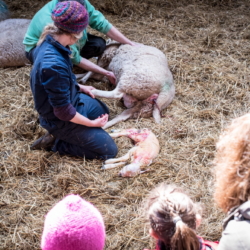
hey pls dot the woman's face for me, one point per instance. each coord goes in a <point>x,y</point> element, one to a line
<point>73,38</point>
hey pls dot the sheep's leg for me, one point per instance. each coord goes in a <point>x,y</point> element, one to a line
<point>164,99</point>
<point>84,77</point>
<point>126,114</point>
<point>116,94</point>
<point>120,118</point>
<point>89,75</point>
<point>79,76</point>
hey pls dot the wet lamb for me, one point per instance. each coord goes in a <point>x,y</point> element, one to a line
<point>146,149</point>
<point>12,52</point>
<point>143,80</point>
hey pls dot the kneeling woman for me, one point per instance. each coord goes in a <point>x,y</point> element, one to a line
<point>72,118</point>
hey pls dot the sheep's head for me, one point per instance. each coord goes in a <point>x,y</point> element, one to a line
<point>108,54</point>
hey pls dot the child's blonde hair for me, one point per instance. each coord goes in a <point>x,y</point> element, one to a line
<point>232,165</point>
<point>172,217</point>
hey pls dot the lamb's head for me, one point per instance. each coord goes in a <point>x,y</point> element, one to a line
<point>130,170</point>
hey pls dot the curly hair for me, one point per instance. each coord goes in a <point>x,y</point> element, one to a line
<point>232,165</point>
<point>164,204</point>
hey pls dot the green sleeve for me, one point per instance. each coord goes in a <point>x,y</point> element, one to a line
<point>37,24</point>
<point>97,20</point>
<point>43,17</point>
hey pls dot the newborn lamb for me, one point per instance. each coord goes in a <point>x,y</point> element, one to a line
<point>142,154</point>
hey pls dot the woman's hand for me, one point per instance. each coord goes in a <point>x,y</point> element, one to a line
<point>89,66</point>
<point>111,77</point>
<point>100,121</point>
<point>86,90</point>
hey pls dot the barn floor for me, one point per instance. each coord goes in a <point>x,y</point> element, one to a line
<point>208,49</point>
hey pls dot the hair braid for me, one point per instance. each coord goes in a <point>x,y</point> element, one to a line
<point>172,216</point>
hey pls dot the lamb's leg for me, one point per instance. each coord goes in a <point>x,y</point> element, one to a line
<point>164,99</point>
<point>116,94</point>
<point>118,134</point>
<point>116,162</point>
<point>123,158</point>
<point>112,165</point>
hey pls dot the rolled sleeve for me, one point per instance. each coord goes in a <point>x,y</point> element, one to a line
<point>65,113</point>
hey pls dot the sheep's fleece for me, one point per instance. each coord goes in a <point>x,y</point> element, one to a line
<point>12,52</point>
<point>143,80</point>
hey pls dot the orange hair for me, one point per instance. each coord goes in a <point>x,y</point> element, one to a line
<point>232,165</point>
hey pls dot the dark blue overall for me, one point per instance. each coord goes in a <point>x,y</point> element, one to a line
<point>54,85</point>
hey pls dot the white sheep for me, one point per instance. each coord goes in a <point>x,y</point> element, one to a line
<point>143,80</point>
<point>4,11</point>
<point>12,51</point>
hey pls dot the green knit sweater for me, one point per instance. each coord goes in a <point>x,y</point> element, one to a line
<point>43,17</point>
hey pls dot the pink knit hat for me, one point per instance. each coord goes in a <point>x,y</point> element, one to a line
<point>73,224</point>
<point>70,16</point>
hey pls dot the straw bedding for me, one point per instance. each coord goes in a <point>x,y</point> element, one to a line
<point>208,48</point>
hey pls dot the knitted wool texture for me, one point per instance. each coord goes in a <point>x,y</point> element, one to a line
<point>82,2</point>
<point>73,224</point>
<point>70,16</point>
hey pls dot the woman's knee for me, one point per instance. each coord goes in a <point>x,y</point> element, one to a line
<point>111,152</point>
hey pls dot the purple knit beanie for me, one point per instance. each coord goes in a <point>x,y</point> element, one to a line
<point>73,224</point>
<point>70,16</point>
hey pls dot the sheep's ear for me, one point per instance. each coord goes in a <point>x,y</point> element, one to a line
<point>112,42</point>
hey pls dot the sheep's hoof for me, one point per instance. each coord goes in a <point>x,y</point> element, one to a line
<point>115,130</point>
<point>103,166</point>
